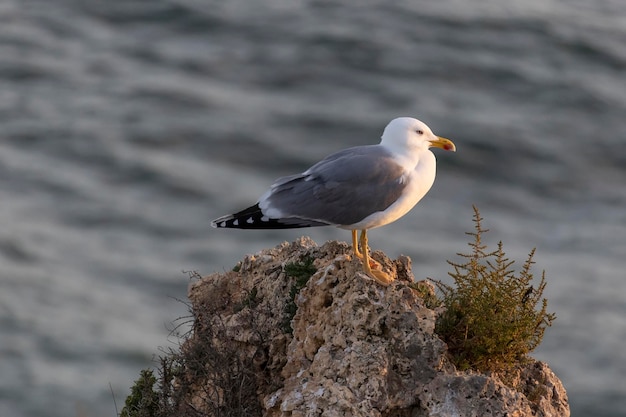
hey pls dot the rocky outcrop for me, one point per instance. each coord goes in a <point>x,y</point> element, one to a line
<point>352,348</point>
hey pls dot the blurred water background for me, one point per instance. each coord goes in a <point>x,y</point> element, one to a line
<point>127,125</point>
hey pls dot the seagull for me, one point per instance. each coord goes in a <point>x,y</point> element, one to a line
<point>358,188</point>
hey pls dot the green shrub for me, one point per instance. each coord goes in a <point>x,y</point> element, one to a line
<point>493,317</point>
<point>143,400</point>
<point>300,272</point>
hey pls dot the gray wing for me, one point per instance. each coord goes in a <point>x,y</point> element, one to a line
<point>342,189</point>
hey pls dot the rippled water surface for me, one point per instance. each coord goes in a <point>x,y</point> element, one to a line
<point>126,126</point>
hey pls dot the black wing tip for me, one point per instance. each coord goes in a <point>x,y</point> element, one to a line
<point>245,219</point>
<point>250,218</point>
<point>217,224</point>
<point>253,218</point>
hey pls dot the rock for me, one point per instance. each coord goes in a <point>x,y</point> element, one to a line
<point>353,347</point>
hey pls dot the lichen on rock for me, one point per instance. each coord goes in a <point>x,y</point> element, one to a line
<point>356,348</point>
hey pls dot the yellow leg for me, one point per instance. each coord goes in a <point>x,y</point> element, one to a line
<point>358,253</point>
<point>355,246</point>
<point>380,276</point>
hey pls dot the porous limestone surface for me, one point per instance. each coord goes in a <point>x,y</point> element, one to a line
<point>356,348</point>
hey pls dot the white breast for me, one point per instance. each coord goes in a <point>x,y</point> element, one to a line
<point>420,178</point>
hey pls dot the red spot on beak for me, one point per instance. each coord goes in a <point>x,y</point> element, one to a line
<point>447,147</point>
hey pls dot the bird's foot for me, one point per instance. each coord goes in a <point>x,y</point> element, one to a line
<point>381,277</point>
<point>373,264</point>
<point>371,267</point>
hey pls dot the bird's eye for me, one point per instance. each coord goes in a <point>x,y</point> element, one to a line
<point>419,131</point>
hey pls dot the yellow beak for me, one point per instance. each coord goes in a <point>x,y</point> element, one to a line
<point>443,143</point>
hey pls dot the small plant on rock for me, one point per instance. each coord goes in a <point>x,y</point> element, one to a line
<point>493,317</point>
<point>143,400</point>
<point>300,272</point>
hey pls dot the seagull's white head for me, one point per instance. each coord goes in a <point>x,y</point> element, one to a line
<point>408,135</point>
